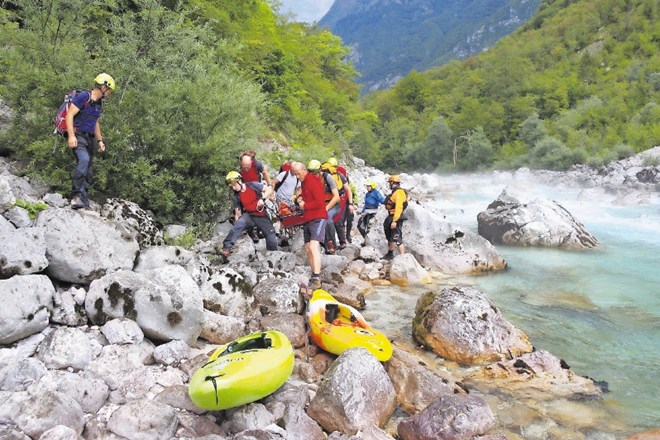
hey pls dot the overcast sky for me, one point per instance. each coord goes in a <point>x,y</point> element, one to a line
<point>306,10</point>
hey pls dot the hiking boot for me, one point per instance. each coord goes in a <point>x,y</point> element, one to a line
<point>388,256</point>
<point>330,248</point>
<point>315,283</point>
<point>342,246</point>
<point>254,235</point>
<point>77,203</point>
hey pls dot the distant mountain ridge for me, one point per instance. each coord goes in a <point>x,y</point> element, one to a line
<point>389,38</point>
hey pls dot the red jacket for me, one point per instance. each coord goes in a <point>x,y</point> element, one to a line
<point>254,173</point>
<point>313,194</point>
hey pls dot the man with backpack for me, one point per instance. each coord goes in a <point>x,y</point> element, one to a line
<point>345,223</point>
<point>332,203</point>
<point>251,169</point>
<point>84,135</point>
<point>395,203</point>
<point>285,186</point>
<point>315,215</point>
<point>249,211</point>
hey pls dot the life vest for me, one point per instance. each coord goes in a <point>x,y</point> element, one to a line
<point>326,168</point>
<point>342,170</point>
<point>249,199</point>
<point>390,202</point>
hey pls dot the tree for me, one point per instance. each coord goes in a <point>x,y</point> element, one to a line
<point>476,150</point>
<point>175,122</point>
<point>413,91</point>
<point>532,130</point>
<point>436,148</point>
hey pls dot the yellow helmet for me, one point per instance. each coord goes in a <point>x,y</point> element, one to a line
<point>371,185</point>
<point>394,178</point>
<point>103,79</point>
<point>232,177</point>
<point>332,161</point>
<point>313,165</point>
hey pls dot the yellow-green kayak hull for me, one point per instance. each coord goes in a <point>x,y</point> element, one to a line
<point>243,371</point>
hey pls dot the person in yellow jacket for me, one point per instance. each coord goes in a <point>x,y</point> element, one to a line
<point>395,203</point>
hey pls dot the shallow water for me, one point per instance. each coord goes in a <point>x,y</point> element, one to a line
<point>598,309</point>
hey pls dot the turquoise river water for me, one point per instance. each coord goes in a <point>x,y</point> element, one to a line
<point>597,309</point>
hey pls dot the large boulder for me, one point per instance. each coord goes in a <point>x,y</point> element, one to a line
<point>405,270</point>
<point>540,222</point>
<point>46,410</point>
<point>66,348</point>
<point>166,303</point>
<point>144,420</point>
<point>438,245</point>
<point>455,417</point>
<point>279,295</point>
<point>27,301</point>
<point>82,247</point>
<point>23,252</point>
<point>355,393</point>
<point>86,388</point>
<point>141,224</point>
<point>160,256</point>
<point>294,400</point>
<point>229,293</point>
<point>461,324</point>
<point>416,384</point>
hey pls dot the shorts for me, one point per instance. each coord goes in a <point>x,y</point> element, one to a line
<point>393,235</point>
<point>315,230</point>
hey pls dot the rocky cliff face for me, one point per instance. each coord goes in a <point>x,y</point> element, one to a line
<point>392,37</point>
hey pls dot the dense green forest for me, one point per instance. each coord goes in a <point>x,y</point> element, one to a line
<point>197,82</point>
<point>578,83</point>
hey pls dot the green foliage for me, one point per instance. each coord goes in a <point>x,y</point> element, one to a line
<point>476,150</point>
<point>568,87</point>
<point>436,148</point>
<point>33,208</point>
<point>532,130</point>
<point>185,240</point>
<point>198,81</point>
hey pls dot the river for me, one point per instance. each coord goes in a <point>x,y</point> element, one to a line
<point>598,309</point>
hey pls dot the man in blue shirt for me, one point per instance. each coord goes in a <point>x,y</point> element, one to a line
<point>84,135</point>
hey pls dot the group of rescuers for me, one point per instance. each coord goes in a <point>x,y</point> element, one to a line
<point>313,192</point>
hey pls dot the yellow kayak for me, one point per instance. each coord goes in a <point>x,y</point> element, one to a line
<point>243,371</point>
<point>336,327</point>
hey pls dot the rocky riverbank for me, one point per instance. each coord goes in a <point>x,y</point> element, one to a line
<point>103,325</point>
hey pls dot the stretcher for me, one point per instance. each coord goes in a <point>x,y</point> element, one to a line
<point>296,219</point>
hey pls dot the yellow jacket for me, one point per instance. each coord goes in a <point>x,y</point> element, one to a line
<point>396,202</point>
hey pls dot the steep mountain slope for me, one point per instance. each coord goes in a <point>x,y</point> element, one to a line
<point>577,83</point>
<point>390,38</point>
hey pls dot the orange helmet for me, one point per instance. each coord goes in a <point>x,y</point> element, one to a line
<point>394,178</point>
